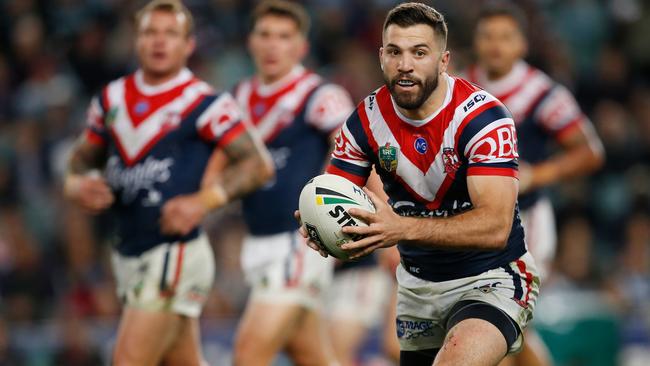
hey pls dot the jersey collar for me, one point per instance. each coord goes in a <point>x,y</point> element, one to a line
<point>183,76</point>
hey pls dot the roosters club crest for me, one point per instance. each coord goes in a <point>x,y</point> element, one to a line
<point>450,159</point>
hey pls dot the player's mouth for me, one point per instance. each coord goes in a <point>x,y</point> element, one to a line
<point>405,84</point>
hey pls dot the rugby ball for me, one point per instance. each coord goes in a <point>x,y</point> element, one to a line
<point>324,204</point>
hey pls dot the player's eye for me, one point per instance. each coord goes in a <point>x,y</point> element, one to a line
<point>420,53</point>
<point>393,52</point>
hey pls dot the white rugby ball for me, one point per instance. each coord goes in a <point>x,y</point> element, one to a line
<point>324,204</point>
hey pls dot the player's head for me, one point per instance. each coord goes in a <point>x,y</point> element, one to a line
<point>413,53</point>
<point>164,39</point>
<point>278,37</point>
<point>500,37</point>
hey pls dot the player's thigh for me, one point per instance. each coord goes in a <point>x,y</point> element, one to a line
<point>144,336</point>
<point>186,349</point>
<point>309,345</point>
<point>265,328</point>
<point>472,342</point>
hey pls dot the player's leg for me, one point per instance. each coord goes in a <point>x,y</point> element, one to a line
<point>135,344</point>
<point>472,342</point>
<point>287,279</point>
<point>390,344</point>
<point>186,350</point>
<point>264,330</point>
<point>309,345</point>
<point>356,303</point>
<point>533,352</point>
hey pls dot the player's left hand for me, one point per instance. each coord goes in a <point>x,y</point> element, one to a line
<point>384,228</point>
<point>182,214</point>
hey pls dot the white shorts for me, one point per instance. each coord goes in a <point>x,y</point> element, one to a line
<point>281,268</point>
<point>360,295</point>
<point>174,277</point>
<point>539,229</point>
<point>423,306</point>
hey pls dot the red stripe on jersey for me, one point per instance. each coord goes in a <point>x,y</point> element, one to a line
<point>569,127</point>
<point>148,104</point>
<point>496,170</point>
<point>281,126</point>
<point>256,101</point>
<point>442,191</point>
<point>105,101</point>
<point>529,278</point>
<point>232,134</point>
<point>94,138</point>
<point>406,134</point>
<point>471,116</point>
<point>358,180</point>
<point>518,87</point>
<point>365,123</point>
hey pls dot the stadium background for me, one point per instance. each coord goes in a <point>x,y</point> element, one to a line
<point>57,303</point>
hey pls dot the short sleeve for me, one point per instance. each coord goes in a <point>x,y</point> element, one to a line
<point>221,121</point>
<point>559,112</point>
<point>349,158</point>
<point>95,131</point>
<point>328,108</point>
<point>491,147</point>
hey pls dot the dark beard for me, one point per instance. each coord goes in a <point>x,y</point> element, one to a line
<point>409,101</point>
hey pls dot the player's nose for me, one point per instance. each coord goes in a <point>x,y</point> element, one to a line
<point>405,64</point>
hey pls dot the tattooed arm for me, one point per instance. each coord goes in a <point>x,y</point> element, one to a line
<point>244,165</point>
<point>87,190</point>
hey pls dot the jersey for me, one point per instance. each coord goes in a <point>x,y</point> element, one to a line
<point>424,165</point>
<point>295,117</point>
<point>158,140</point>
<point>543,112</point>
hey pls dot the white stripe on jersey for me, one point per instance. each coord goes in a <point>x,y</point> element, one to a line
<point>133,139</point>
<point>283,111</point>
<point>520,102</point>
<point>222,106</point>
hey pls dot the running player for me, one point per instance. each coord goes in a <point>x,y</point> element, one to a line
<point>446,152</point>
<point>152,133</point>
<point>296,113</point>
<point>545,115</point>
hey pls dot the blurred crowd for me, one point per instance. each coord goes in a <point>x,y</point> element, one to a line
<point>57,302</point>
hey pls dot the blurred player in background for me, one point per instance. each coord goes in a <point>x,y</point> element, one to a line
<point>360,298</point>
<point>545,114</point>
<point>152,133</point>
<point>295,112</point>
<point>446,152</point>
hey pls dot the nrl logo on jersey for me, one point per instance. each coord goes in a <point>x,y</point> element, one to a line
<point>388,157</point>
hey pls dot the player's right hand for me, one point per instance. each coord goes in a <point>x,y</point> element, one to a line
<point>90,192</point>
<point>303,232</point>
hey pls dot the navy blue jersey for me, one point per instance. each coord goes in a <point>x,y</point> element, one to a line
<point>295,117</point>
<point>543,112</point>
<point>159,140</point>
<point>424,167</point>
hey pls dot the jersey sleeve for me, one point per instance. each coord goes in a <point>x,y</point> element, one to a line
<point>489,143</point>
<point>96,131</point>
<point>559,112</point>
<point>328,108</point>
<point>221,121</point>
<point>349,158</point>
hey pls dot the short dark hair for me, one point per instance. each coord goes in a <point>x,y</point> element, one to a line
<point>172,6</point>
<point>500,8</point>
<point>410,14</point>
<point>283,8</point>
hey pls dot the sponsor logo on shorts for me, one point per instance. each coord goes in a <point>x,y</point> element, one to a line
<point>413,329</point>
<point>487,288</point>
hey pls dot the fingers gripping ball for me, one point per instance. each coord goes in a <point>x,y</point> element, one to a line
<point>324,204</point>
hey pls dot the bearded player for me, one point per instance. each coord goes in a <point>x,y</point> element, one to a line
<point>546,117</point>
<point>296,112</point>
<point>151,134</point>
<point>446,152</point>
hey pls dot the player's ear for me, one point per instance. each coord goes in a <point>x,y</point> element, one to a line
<point>191,46</point>
<point>381,58</point>
<point>444,61</point>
